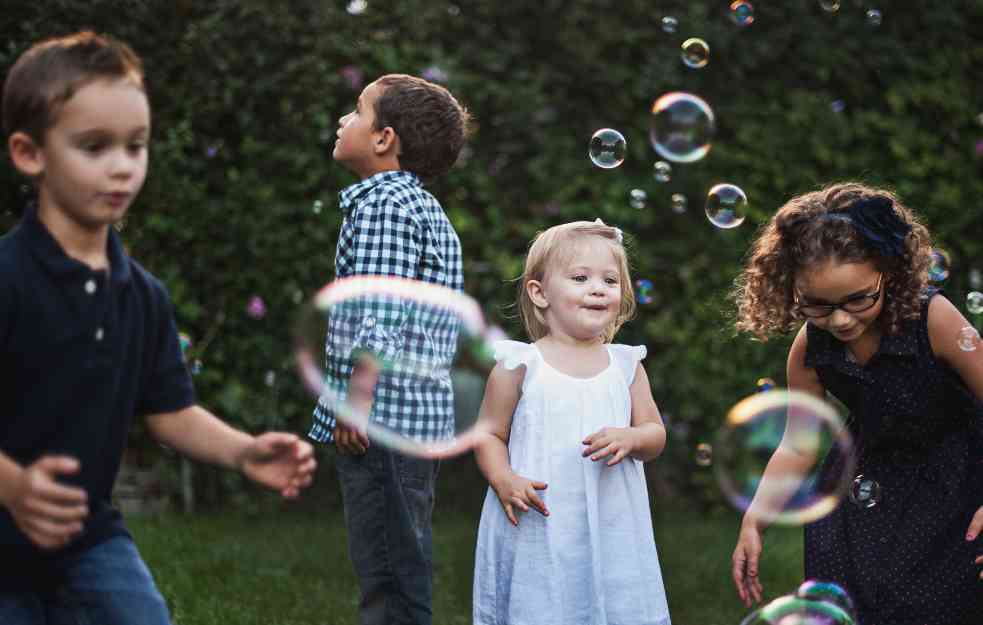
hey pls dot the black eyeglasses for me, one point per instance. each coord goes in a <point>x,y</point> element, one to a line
<point>856,304</point>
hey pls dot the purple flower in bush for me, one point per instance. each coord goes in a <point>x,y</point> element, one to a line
<point>353,76</point>
<point>256,308</point>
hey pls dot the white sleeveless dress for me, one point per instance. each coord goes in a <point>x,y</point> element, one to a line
<point>593,561</point>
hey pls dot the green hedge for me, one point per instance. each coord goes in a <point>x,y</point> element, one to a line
<point>247,95</point>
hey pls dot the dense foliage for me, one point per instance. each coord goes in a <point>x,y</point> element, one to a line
<point>247,94</point>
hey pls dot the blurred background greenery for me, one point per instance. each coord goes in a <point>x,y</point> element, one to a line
<point>241,200</point>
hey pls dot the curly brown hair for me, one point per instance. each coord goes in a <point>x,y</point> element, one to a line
<point>795,239</point>
<point>431,124</point>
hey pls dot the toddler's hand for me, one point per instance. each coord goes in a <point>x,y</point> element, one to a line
<point>51,514</point>
<point>516,491</point>
<point>615,442</point>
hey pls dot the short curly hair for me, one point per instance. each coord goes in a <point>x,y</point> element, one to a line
<point>795,239</point>
<point>431,124</point>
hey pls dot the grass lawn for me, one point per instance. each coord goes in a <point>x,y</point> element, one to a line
<point>290,567</point>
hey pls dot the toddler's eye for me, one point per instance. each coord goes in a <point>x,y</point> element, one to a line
<point>580,278</point>
<point>612,281</point>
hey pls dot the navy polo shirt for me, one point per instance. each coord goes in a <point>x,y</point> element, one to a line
<point>83,351</point>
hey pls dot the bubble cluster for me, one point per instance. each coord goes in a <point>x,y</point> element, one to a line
<point>637,199</point>
<point>800,432</point>
<point>874,17</point>
<point>669,24</point>
<point>742,12</point>
<point>938,271</point>
<point>969,339</point>
<point>344,353</point>
<point>662,171</point>
<point>695,53</point>
<point>678,203</point>
<point>607,148</point>
<point>643,291</point>
<point>865,492</point>
<point>974,302</point>
<point>704,454</point>
<point>726,206</point>
<point>681,127</point>
<point>256,308</point>
<point>316,207</point>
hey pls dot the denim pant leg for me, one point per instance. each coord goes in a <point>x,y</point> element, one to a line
<point>106,584</point>
<point>388,500</point>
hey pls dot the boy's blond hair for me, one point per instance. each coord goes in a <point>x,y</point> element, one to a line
<point>556,245</point>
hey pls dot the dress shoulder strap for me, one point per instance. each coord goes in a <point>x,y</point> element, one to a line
<point>626,359</point>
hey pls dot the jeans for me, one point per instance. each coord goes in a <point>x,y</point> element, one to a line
<point>107,584</point>
<point>388,501</point>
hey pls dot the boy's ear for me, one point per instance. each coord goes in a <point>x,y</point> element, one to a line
<point>26,154</point>
<point>534,289</point>
<point>386,140</point>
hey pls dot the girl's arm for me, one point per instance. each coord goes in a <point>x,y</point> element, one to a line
<point>492,452</point>
<point>944,323</point>
<point>646,437</point>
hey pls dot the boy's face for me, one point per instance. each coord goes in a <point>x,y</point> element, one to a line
<point>94,158</point>
<point>356,132</point>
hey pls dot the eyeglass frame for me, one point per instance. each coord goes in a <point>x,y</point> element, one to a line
<point>874,298</point>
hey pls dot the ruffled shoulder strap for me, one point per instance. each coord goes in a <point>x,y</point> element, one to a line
<point>626,358</point>
<point>514,353</point>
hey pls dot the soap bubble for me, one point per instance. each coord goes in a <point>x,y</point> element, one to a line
<point>742,12</point>
<point>695,53</point>
<point>812,448</point>
<point>363,342</point>
<point>643,291</point>
<point>669,24</point>
<point>316,207</point>
<point>678,202</point>
<point>765,384</point>
<point>637,199</point>
<point>830,6</point>
<point>829,592</point>
<point>865,492</point>
<point>790,610</point>
<point>607,148</point>
<point>357,7</point>
<point>681,127</point>
<point>939,269</point>
<point>726,206</point>
<point>874,17</point>
<point>969,338</point>
<point>974,302</point>
<point>704,454</point>
<point>662,171</point>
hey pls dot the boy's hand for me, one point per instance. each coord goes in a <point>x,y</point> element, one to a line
<point>51,514</point>
<point>516,491</point>
<point>350,440</point>
<point>279,461</point>
<point>615,442</point>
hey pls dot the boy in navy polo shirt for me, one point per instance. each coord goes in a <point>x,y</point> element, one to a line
<point>403,130</point>
<point>88,342</point>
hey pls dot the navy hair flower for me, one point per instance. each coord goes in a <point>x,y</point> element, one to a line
<point>882,229</point>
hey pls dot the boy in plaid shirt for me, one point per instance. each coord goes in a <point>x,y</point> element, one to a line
<point>403,130</point>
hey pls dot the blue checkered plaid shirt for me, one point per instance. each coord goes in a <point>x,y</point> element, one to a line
<point>394,227</point>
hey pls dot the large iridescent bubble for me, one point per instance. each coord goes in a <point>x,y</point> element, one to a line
<point>804,444</point>
<point>607,148</point>
<point>726,206</point>
<point>366,343</point>
<point>682,127</point>
<point>791,610</point>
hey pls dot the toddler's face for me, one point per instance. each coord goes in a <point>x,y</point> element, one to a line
<point>94,158</point>
<point>583,292</point>
<point>836,283</point>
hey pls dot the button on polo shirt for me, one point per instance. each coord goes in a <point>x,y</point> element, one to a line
<point>83,352</point>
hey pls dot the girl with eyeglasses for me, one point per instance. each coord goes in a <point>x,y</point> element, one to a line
<point>852,262</point>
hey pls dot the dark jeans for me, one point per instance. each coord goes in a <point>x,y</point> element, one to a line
<point>107,584</point>
<point>388,500</point>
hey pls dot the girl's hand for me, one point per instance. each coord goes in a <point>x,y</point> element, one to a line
<point>615,442</point>
<point>975,526</point>
<point>745,563</point>
<point>516,491</point>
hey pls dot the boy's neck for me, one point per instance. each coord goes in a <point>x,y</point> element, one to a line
<point>83,244</point>
<point>366,171</point>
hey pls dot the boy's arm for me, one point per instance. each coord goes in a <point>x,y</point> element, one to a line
<point>278,460</point>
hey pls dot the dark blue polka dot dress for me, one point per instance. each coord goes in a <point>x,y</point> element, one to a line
<point>919,436</point>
